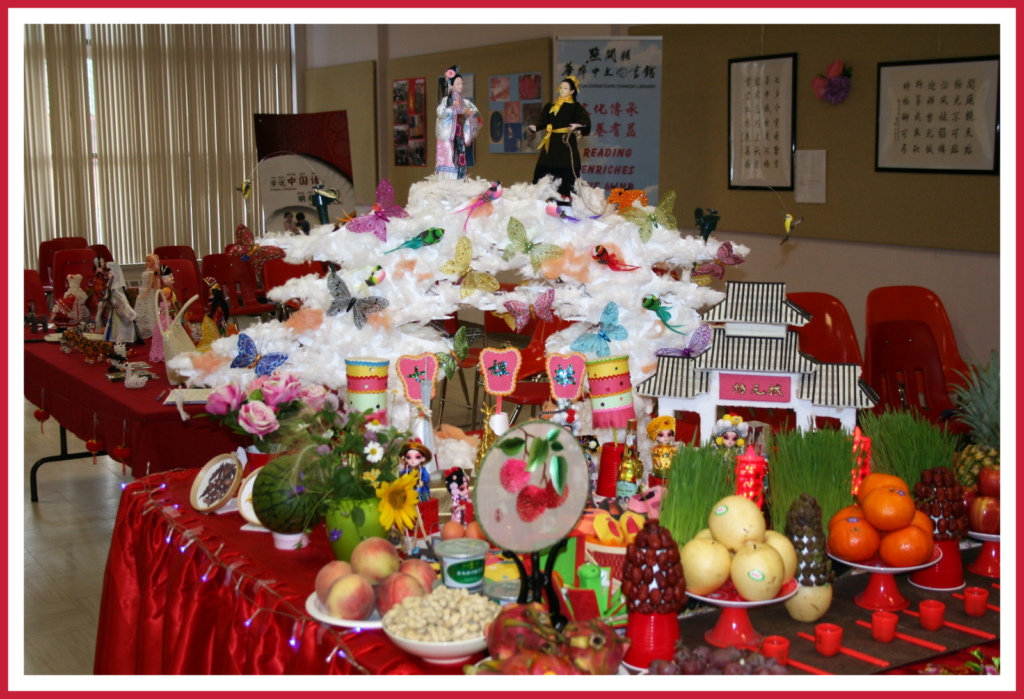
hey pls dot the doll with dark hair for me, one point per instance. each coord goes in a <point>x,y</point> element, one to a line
<point>562,122</point>
<point>457,119</point>
<point>457,482</point>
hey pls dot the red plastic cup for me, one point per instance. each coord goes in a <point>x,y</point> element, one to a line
<point>932,614</point>
<point>652,636</point>
<point>975,601</point>
<point>776,647</point>
<point>608,473</point>
<point>883,626</point>
<point>828,639</point>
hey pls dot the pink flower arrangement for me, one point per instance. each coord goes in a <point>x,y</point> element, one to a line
<point>224,400</point>
<point>256,417</point>
<point>835,85</point>
<point>281,388</point>
<point>315,396</point>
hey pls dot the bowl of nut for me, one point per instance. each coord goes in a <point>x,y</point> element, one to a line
<point>445,627</point>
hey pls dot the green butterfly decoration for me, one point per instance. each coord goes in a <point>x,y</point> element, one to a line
<point>645,222</point>
<point>449,361</point>
<point>539,252</point>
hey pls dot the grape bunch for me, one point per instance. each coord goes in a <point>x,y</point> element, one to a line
<point>652,576</point>
<point>940,497</point>
<point>720,661</point>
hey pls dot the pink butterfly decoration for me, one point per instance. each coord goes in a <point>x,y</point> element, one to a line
<point>724,256</point>
<point>383,211</point>
<point>699,343</point>
<point>542,307</point>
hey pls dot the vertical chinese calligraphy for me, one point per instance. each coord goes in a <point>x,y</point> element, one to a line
<point>761,121</point>
<point>938,115</point>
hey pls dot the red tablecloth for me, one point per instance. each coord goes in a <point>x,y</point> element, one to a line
<point>159,616</point>
<point>76,394</point>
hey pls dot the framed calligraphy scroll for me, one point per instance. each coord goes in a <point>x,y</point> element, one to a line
<point>762,122</point>
<point>938,116</point>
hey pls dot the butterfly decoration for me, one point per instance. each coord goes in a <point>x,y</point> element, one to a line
<point>481,204</point>
<point>624,198</point>
<point>539,252</point>
<point>645,221</point>
<point>790,223</point>
<point>383,211</point>
<point>246,247</point>
<point>654,304</point>
<point>245,189</point>
<point>608,330</point>
<point>449,361</point>
<point>553,209</point>
<point>706,222</point>
<point>469,278</point>
<point>725,256</point>
<point>700,341</point>
<point>343,301</point>
<point>249,358</point>
<point>519,313</point>
<point>427,237</point>
<point>340,221</point>
<point>603,256</point>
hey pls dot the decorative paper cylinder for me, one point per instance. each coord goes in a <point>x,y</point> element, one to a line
<point>368,386</point>
<point>611,393</point>
<point>608,475</point>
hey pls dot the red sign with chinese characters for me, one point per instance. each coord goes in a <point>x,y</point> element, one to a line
<point>754,387</point>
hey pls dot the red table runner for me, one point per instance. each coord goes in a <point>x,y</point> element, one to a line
<point>76,394</point>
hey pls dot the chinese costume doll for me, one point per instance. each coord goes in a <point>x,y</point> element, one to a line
<point>661,431</point>
<point>147,304</point>
<point>457,119</point>
<point>561,124</point>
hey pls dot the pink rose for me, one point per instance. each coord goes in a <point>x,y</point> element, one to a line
<point>257,418</point>
<point>818,84</point>
<point>256,385</point>
<point>314,396</point>
<point>281,388</point>
<point>334,401</point>
<point>224,399</point>
<point>834,70</point>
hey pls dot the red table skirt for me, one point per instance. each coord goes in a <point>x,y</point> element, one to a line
<point>186,593</point>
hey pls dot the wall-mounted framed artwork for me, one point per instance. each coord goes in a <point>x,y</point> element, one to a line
<point>762,122</point>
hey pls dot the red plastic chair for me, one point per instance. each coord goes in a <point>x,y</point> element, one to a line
<point>277,272</point>
<point>103,252</point>
<point>35,297</point>
<point>238,283</point>
<point>188,283</point>
<point>176,252</point>
<point>534,393</point>
<point>830,336</point>
<point>67,262</point>
<point>917,303</point>
<point>906,371</point>
<point>46,250</point>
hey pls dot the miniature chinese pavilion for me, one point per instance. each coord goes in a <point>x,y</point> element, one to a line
<point>755,361</point>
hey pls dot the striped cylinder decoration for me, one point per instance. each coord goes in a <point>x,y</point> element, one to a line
<point>611,393</point>
<point>368,386</point>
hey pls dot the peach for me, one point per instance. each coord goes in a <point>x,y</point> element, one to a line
<point>350,597</point>
<point>375,559</point>
<point>394,589</point>
<point>326,577</point>
<point>422,571</point>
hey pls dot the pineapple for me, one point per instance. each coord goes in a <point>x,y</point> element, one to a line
<point>813,567</point>
<point>979,401</point>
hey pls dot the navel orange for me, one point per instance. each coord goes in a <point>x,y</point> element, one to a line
<point>924,521</point>
<point>853,539</point>
<point>906,547</point>
<point>889,508</point>
<point>879,480</point>
<point>849,511</point>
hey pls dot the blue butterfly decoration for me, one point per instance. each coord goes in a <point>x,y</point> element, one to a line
<point>609,329</point>
<point>249,358</point>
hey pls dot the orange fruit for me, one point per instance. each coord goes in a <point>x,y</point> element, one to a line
<point>879,480</point>
<point>849,511</point>
<point>906,547</point>
<point>924,521</point>
<point>889,508</point>
<point>853,539</point>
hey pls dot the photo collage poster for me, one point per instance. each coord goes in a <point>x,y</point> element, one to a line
<point>409,111</point>
<point>515,102</point>
<point>467,93</point>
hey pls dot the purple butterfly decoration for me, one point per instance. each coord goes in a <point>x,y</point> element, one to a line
<point>383,211</point>
<point>521,311</point>
<point>724,256</point>
<point>700,340</point>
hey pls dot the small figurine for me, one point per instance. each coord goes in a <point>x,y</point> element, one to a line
<point>414,456</point>
<point>147,304</point>
<point>163,323</point>
<point>120,316</point>
<point>561,412</point>
<point>591,448</point>
<point>71,310</point>
<point>457,118</point>
<point>730,432</point>
<point>661,431</point>
<point>97,287</point>
<point>562,122</point>
<point>457,483</point>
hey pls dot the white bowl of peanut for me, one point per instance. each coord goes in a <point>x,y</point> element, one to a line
<point>445,627</point>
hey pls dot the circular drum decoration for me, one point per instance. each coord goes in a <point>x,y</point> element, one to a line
<point>517,499</point>
<point>245,507</point>
<point>497,127</point>
<point>216,483</point>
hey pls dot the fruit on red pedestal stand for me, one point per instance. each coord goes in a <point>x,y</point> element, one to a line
<point>988,481</point>
<point>939,496</point>
<point>984,515</point>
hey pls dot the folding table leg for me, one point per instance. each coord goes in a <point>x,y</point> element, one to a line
<point>63,456</point>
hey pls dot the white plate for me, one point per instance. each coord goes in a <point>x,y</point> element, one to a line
<point>317,611</point>
<point>872,567</point>
<point>984,537</point>
<point>787,591</point>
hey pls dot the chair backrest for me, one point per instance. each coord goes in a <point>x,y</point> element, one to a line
<point>35,297</point>
<point>534,354</point>
<point>46,250</point>
<point>830,336</point>
<point>188,283</point>
<point>905,368</point>
<point>277,272</point>
<point>67,262</point>
<point>918,303</point>
<point>236,278</point>
<point>102,252</point>
<point>176,252</point>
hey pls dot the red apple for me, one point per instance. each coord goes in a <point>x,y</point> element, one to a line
<point>988,481</point>
<point>970,492</point>
<point>984,515</point>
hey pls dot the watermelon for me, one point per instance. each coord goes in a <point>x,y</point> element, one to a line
<point>277,504</point>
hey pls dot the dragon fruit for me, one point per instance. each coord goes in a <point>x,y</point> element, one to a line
<point>594,647</point>
<point>521,627</point>
<point>525,662</point>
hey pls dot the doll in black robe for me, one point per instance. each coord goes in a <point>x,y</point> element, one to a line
<point>561,124</point>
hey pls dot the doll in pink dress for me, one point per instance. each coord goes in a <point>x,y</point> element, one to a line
<point>457,119</point>
<point>163,323</point>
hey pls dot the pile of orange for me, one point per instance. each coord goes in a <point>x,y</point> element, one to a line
<point>884,522</point>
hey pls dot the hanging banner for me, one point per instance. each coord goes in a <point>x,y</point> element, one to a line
<point>620,86</point>
<point>297,152</point>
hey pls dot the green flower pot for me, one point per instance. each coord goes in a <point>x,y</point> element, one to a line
<point>342,531</point>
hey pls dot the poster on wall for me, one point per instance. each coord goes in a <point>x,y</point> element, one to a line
<point>409,121</point>
<point>762,122</point>
<point>297,152</point>
<point>939,116</point>
<point>620,86</point>
<point>467,93</point>
<point>515,102</point>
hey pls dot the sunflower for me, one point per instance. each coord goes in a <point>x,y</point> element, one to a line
<point>398,502</point>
